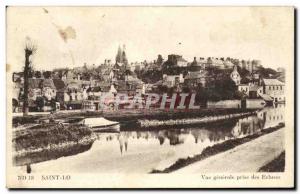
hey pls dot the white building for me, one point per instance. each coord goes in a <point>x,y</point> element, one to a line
<point>275,89</point>
<point>172,80</point>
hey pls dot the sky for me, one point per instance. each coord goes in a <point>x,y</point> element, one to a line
<point>72,36</point>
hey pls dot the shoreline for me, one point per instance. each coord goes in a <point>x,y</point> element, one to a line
<point>37,143</point>
<point>131,117</point>
<point>215,149</point>
<point>276,165</point>
<point>192,121</point>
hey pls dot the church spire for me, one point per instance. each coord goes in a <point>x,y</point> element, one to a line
<point>119,55</point>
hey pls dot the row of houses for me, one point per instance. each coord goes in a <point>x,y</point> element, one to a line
<point>69,94</point>
<point>83,86</point>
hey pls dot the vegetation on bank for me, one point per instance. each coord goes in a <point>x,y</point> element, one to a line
<point>276,165</point>
<point>44,135</point>
<point>129,117</point>
<point>41,155</point>
<point>216,149</point>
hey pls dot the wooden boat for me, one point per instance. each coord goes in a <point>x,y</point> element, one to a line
<point>101,124</point>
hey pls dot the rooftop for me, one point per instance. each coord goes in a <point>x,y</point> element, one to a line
<point>272,82</point>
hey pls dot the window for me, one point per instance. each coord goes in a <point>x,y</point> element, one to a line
<point>270,88</point>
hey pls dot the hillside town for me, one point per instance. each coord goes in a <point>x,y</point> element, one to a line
<point>218,82</point>
<point>149,91</point>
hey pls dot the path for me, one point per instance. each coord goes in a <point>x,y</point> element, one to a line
<point>248,157</point>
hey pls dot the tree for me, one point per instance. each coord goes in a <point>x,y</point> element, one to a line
<point>159,60</point>
<point>47,74</point>
<point>30,49</point>
<point>37,74</point>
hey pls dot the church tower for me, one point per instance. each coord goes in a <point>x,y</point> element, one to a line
<point>119,55</point>
<point>124,58</point>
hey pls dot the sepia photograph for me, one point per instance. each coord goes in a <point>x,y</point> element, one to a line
<point>150,97</point>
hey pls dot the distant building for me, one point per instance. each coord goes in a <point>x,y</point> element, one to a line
<point>18,77</point>
<point>251,66</point>
<point>274,88</point>
<point>73,95</point>
<point>216,62</point>
<point>244,88</point>
<point>228,64</point>
<point>41,87</point>
<point>198,65</point>
<point>194,79</point>
<point>172,80</point>
<point>255,91</point>
<point>177,60</point>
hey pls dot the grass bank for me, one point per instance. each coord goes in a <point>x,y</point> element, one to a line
<point>216,149</point>
<point>130,117</point>
<point>45,135</point>
<point>45,141</point>
<point>276,165</point>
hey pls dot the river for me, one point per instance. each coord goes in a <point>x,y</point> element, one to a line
<point>137,151</point>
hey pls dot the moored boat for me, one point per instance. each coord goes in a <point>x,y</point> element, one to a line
<point>101,124</point>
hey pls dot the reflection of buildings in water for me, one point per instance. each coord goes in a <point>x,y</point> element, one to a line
<point>123,141</point>
<point>272,116</point>
<point>200,134</point>
<point>161,137</point>
<point>247,126</point>
<point>173,136</point>
<point>217,135</point>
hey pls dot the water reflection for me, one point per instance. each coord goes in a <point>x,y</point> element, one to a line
<point>268,117</point>
<point>138,151</point>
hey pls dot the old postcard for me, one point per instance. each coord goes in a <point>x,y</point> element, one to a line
<point>150,97</point>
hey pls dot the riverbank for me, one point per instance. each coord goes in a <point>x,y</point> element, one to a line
<point>276,165</point>
<point>191,121</point>
<point>41,142</point>
<point>130,118</point>
<point>214,150</point>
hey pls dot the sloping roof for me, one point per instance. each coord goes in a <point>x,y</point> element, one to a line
<point>272,82</point>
